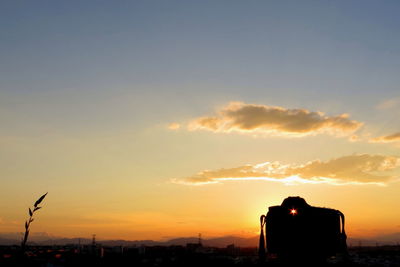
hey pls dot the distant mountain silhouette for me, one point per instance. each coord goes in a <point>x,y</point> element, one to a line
<point>389,239</point>
<point>237,241</point>
<point>45,239</point>
<point>13,239</point>
<point>9,242</point>
<point>217,242</point>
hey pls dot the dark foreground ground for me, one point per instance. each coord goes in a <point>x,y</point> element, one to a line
<point>191,255</point>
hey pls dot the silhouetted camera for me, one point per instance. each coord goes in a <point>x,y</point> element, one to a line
<point>297,230</point>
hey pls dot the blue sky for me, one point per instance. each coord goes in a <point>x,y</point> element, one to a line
<point>316,44</point>
<point>281,52</point>
<point>178,59</point>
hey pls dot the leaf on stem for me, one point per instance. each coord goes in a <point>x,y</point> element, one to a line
<point>40,200</point>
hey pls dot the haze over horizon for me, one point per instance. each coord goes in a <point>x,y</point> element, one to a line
<point>151,119</point>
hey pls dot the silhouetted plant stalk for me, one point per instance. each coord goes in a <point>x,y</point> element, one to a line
<point>30,220</point>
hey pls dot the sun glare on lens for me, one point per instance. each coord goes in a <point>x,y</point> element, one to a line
<point>293,212</point>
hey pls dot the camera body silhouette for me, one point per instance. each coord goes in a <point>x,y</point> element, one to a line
<point>297,230</point>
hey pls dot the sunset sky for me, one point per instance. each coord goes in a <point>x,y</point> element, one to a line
<point>159,119</point>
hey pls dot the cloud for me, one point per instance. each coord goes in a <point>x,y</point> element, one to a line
<point>174,126</point>
<point>354,138</point>
<point>251,118</point>
<point>353,169</point>
<point>387,138</point>
<point>389,103</point>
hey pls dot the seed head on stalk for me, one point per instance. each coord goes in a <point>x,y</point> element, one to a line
<point>28,222</point>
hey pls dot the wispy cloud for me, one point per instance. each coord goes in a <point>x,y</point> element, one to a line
<point>352,169</point>
<point>273,120</point>
<point>389,103</point>
<point>387,138</point>
<point>174,126</point>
